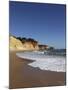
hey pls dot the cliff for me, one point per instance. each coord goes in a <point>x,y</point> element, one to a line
<point>43,47</point>
<point>17,43</point>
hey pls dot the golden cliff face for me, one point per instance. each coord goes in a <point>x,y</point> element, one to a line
<point>16,44</point>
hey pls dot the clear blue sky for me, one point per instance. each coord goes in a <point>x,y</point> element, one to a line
<point>43,22</point>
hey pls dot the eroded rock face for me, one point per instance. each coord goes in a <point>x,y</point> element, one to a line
<point>16,44</point>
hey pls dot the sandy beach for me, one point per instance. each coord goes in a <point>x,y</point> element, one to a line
<point>22,75</point>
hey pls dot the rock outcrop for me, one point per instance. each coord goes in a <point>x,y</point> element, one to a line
<point>21,44</point>
<point>43,47</point>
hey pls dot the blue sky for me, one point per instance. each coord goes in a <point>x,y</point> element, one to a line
<point>43,22</point>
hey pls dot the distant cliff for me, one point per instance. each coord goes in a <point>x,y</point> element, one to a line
<point>18,43</point>
<point>43,47</point>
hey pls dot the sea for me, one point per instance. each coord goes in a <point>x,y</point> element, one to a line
<point>50,60</point>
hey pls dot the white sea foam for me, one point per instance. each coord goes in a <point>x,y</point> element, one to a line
<point>45,62</point>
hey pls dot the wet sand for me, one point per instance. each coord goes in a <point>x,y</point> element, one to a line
<point>22,75</point>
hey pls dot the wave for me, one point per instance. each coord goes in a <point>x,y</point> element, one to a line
<point>45,62</point>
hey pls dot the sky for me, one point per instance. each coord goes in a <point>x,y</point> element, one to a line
<point>42,22</point>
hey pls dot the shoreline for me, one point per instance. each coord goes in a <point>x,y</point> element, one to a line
<point>22,75</point>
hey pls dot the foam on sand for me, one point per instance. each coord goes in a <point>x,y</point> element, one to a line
<point>45,62</point>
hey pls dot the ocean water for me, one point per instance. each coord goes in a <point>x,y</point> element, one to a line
<point>46,60</point>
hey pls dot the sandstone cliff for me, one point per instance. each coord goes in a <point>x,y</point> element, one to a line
<point>17,44</point>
